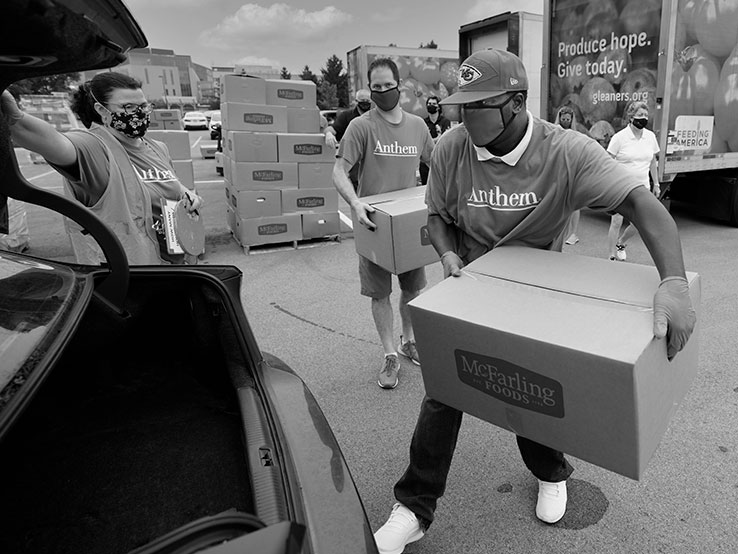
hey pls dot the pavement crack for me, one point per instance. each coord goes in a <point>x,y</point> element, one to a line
<point>319,326</point>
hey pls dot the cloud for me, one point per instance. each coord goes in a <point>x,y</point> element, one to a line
<point>258,60</point>
<point>253,23</point>
<point>483,9</point>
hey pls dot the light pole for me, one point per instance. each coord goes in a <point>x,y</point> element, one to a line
<point>164,88</point>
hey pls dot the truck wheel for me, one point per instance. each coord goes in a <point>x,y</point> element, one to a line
<point>733,220</point>
<point>219,171</point>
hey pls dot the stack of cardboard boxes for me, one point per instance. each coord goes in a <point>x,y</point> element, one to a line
<point>166,120</point>
<point>276,165</point>
<point>178,143</point>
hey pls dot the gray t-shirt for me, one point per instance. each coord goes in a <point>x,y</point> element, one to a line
<point>527,204</point>
<point>389,153</point>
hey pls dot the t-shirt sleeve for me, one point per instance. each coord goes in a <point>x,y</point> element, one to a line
<point>614,146</point>
<point>599,182</point>
<point>92,171</point>
<point>351,147</point>
<point>435,191</point>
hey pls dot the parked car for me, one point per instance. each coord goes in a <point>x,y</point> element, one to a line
<point>194,120</point>
<point>137,411</point>
<point>215,125</point>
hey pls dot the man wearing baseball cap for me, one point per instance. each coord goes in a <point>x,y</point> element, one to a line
<point>506,177</point>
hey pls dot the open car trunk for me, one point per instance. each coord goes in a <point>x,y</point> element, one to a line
<point>136,432</point>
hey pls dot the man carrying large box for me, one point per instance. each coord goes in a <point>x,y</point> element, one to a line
<point>389,143</point>
<point>508,178</point>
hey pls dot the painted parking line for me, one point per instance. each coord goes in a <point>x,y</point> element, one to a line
<point>346,220</point>
<point>196,143</point>
<point>40,175</point>
<point>209,182</point>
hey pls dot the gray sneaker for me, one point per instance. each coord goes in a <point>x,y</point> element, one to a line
<point>388,377</point>
<point>409,350</point>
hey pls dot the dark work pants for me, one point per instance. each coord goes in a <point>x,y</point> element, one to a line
<point>432,449</point>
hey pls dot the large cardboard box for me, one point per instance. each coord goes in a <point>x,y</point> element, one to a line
<point>309,200</point>
<point>320,225</point>
<point>242,88</point>
<point>289,92</point>
<point>401,241</point>
<point>557,348</point>
<point>243,146</point>
<point>178,142</point>
<point>185,172</point>
<point>255,203</point>
<point>254,117</point>
<point>263,176</point>
<point>315,175</point>
<point>173,125</point>
<point>304,147</point>
<point>303,120</point>
<point>268,230</point>
<point>166,115</point>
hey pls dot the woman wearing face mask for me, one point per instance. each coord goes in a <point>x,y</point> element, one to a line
<point>636,148</point>
<point>110,167</point>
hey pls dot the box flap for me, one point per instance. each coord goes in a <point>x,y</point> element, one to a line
<point>413,192</point>
<point>624,283</point>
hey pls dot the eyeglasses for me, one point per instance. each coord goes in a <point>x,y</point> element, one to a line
<point>485,105</point>
<point>131,109</point>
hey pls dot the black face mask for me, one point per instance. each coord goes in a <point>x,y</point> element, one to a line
<point>432,109</point>
<point>640,122</point>
<point>364,106</point>
<point>387,100</point>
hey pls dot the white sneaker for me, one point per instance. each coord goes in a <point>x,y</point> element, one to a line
<point>401,528</point>
<point>551,504</point>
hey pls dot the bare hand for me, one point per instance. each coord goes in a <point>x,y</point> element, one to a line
<point>362,212</point>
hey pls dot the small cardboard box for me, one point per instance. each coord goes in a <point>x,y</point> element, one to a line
<point>173,125</point>
<point>315,175</point>
<point>185,172</point>
<point>242,88</point>
<point>309,200</point>
<point>303,120</point>
<point>320,225</point>
<point>557,348</point>
<point>243,146</point>
<point>231,218</point>
<point>166,115</point>
<point>263,176</point>
<point>289,92</point>
<point>268,230</point>
<point>304,147</point>
<point>401,241</point>
<point>255,203</point>
<point>207,151</point>
<point>178,142</point>
<point>254,117</point>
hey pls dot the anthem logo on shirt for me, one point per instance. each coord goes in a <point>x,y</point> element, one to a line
<point>496,199</point>
<point>395,149</point>
<point>155,174</point>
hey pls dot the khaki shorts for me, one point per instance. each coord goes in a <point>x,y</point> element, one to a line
<point>376,282</point>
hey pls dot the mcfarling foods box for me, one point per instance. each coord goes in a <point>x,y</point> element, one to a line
<point>400,242</point>
<point>557,348</point>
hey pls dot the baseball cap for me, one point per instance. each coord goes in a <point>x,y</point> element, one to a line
<point>486,74</point>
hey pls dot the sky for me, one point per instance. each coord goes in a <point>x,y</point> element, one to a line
<point>296,33</point>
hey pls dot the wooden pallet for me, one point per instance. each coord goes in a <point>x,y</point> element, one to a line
<point>290,245</point>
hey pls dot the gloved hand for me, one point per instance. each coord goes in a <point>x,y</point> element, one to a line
<point>673,315</point>
<point>452,264</point>
<point>193,201</point>
<point>330,140</point>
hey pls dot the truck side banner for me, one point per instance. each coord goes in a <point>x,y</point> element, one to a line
<point>605,54</point>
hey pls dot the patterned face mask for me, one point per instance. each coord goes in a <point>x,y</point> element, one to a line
<point>133,125</point>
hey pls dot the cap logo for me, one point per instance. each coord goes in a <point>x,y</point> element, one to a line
<point>513,81</point>
<point>468,74</point>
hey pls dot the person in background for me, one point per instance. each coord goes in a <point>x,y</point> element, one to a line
<point>388,143</point>
<point>500,152</point>
<point>567,119</point>
<point>437,125</point>
<point>334,132</point>
<point>635,147</point>
<point>110,167</point>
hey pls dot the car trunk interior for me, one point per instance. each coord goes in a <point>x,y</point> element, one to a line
<point>136,432</point>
